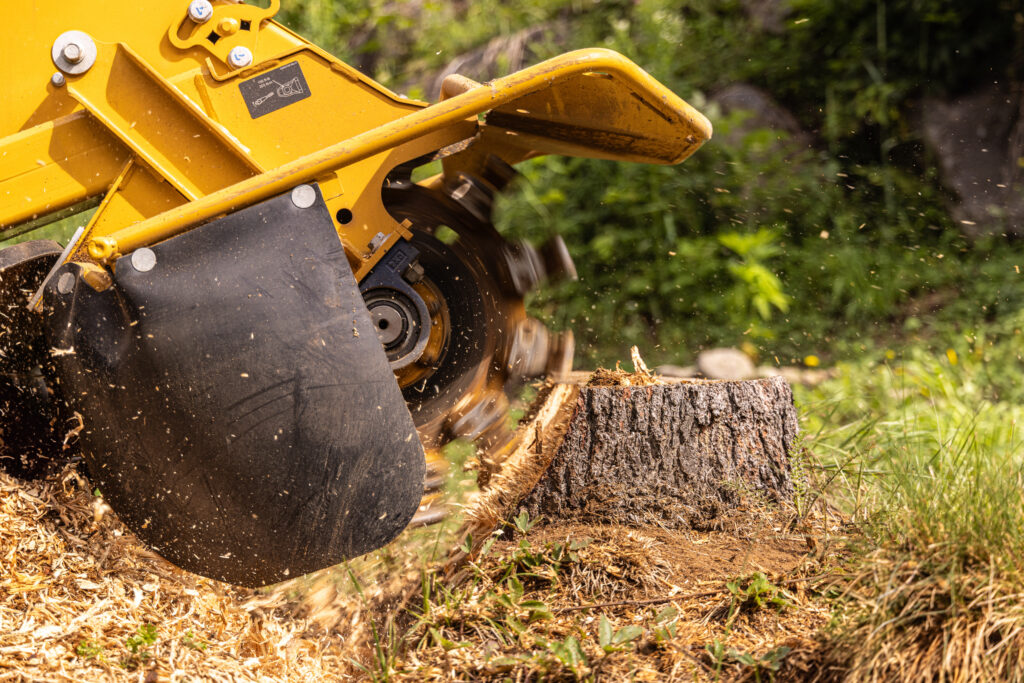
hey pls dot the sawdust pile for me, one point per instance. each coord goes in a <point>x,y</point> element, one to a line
<point>80,598</point>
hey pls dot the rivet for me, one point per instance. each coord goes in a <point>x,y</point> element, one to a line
<point>65,283</point>
<point>143,259</point>
<point>73,53</point>
<point>304,196</point>
<point>57,79</point>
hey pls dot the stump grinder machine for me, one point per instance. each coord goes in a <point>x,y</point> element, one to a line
<point>268,317</point>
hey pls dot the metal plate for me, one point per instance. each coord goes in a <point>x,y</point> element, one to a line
<point>241,415</point>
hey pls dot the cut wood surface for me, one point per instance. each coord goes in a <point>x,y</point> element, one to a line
<point>673,454</point>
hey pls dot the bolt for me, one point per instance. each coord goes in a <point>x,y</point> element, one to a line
<point>413,273</point>
<point>228,26</point>
<point>304,196</point>
<point>143,259</point>
<point>377,240</point>
<point>65,283</point>
<point>73,53</point>
<point>239,57</point>
<point>200,11</point>
<point>57,79</point>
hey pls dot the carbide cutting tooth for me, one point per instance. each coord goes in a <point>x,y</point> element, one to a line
<point>498,173</point>
<point>472,423</point>
<point>474,195</point>
<point>560,354</point>
<point>528,354</point>
<point>524,267</point>
<point>558,263</point>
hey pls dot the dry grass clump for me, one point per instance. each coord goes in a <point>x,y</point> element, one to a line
<point>81,599</point>
<point>905,622</point>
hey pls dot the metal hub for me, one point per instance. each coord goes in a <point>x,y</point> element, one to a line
<point>399,323</point>
<point>392,323</point>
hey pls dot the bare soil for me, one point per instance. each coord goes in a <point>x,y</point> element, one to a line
<point>629,577</point>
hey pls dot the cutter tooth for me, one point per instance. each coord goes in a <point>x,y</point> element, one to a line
<point>558,264</point>
<point>528,353</point>
<point>481,415</point>
<point>527,266</point>
<point>498,173</point>
<point>524,267</point>
<point>473,194</point>
<point>560,354</point>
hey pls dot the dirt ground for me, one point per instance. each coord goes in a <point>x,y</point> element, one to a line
<point>81,599</point>
<point>504,598</point>
<point>732,604</point>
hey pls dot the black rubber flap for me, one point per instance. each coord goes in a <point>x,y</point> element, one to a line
<point>240,414</point>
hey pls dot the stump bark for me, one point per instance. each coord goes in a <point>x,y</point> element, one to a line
<point>675,454</point>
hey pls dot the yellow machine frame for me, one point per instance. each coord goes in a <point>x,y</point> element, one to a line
<point>157,130</point>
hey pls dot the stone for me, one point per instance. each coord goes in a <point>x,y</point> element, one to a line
<point>729,364</point>
<point>978,140</point>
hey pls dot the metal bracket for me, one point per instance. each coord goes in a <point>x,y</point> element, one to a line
<point>230,33</point>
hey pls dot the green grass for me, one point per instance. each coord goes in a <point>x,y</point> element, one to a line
<point>923,449</point>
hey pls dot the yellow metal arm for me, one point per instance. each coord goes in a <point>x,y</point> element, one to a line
<point>683,131</point>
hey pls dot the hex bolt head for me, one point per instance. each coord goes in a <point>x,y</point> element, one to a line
<point>304,196</point>
<point>143,259</point>
<point>57,79</point>
<point>73,53</point>
<point>200,11</point>
<point>240,56</point>
<point>65,283</point>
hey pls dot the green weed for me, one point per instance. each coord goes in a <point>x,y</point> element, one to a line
<point>138,646</point>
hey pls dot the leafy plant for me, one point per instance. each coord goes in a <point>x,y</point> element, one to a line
<point>523,522</point>
<point>88,649</point>
<point>757,591</point>
<point>664,625</point>
<point>190,641</point>
<point>611,640</point>
<point>138,647</point>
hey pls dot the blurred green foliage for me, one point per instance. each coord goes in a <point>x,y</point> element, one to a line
<point>824,248</point>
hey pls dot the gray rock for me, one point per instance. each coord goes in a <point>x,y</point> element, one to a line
<point>676,371</point>
<point>731,364</point>
<point>764,112</point>
<point>501,55</point>
<point>767,15</point>
<point>978,140</point>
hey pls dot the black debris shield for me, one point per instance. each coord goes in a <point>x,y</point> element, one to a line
<point>240,413</point>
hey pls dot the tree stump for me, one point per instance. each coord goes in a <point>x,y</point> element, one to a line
<point>635,450</point>
<point>676,455</point>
